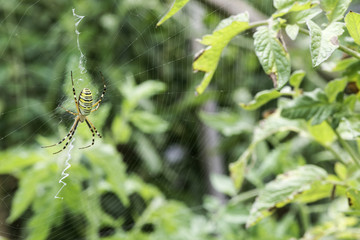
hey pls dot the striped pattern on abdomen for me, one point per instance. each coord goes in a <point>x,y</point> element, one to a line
<point>85,102</point>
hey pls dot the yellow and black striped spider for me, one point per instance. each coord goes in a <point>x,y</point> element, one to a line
<point>84,107</point>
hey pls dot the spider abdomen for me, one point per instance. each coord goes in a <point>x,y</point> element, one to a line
<point>85,102</point>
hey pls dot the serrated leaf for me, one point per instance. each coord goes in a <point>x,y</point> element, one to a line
<point>223,184</point>
<point>176,6</point>
<point>335,9</point>
<point>296,78</point>
<point>272,55</point>
<point>227,123</point>
<point>106,159</point>
<point>302,16</point>
<point>334,87</point>
<point>281,4</point>
<point>208,60</point>
<point>313,106</point>
<point>283,190</point>
<point>261,98</point>
<point>285,7</point>
<point>26,193</point>
<point>352,21</point>
<point>292,31</point>
<point>148,122</point>
<point>323,42</point>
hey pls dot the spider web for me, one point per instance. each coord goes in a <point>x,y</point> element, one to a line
<point>167,54</point>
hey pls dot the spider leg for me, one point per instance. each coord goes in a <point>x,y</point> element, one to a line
<point>71,135</point>
<point>74,92</point>
<point>97,106</point>
<point>93,135</point>
<point>92,125</point>
<point>73,128</point>
<point>102,95</point>
<point>69,111</point>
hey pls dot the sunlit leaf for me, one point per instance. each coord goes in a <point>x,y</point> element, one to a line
<point>237,168</point>
<point>323,42</point>
<point>335,9</point>
<point>285,7</point>
<point>353,196</point>
<point>341,171</point>
<point>176,6</point>
<point>322,133</point>
<point>292,31</point>
<point>283,190</point>
<point>302,16</point>
<point>296,78</point>
<point>272,55</point>
<point>208,59</point>
<point>261,98</point>
<point>352,21</point>
<point>335,87</point>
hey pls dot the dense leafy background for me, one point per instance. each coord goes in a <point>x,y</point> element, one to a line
<point>263,139</point>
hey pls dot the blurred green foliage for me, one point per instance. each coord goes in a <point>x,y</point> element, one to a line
<point>145,179</point>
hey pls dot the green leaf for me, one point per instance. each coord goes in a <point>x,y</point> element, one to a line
<point>285,7</point>
<point>208,59</point>
<point>109,161</point>
<point>261,98</point>
<point>227,123</point>
<point>223,184</point>
<point>319,190</point>
<point>27,192</point>
<point>322,133</point>
<point>352,21</point>
<point>335,9</point>
<point>272,55</point>
<point>237,169</point>
<point>281,4</point>
<point>148,122</point>
<point>323,42</point>
<point>121,130</point>
<point>148,152</point>
<point>283,190</point>
<point>314,105</point>
<point>341,171</point>
<point>296,78</point>
<point>267,128</point>
<point>176,6</point>
<point>302,16</point>
<point>292,31</point>
<point>353,196</point>
<point>334,87</point>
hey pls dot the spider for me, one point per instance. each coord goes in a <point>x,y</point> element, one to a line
<point>84,107</point>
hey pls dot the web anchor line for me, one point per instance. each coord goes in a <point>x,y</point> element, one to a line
<point>82,60</point>
<point>64,174</point>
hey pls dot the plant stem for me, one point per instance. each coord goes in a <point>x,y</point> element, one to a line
<point>347,147</point>
<point>346,50</point>
<point>244,196</point>
<point>259,23</point>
